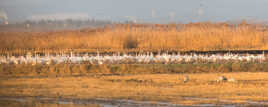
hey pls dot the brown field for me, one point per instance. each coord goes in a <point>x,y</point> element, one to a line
<point>141,37</point>
<point>201,89</point>
<point>154,83</point>
<point>59,70</point>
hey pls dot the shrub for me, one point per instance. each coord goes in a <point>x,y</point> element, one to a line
<point>130,42</point>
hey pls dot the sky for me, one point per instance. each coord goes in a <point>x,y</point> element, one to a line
<point>138,10</point>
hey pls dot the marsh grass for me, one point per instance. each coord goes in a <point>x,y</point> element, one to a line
<point>122,69</point>
<point>141,37</point>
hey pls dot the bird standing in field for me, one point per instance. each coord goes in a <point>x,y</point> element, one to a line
<point>222,79</point>
<point>186,78</point>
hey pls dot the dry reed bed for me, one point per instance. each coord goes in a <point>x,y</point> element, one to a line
<point>181,37</point>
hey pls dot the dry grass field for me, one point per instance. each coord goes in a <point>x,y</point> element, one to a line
<point>63,70</point>
<point>141,37</point>
<point>201,88</point>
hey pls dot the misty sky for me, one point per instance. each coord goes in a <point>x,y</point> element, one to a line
<point>143,10</point>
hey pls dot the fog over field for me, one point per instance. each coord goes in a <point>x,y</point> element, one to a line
<point>140,10</point>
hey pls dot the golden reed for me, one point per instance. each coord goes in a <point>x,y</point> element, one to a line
<point>181,37</point>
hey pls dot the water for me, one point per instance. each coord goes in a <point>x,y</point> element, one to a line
<point>47,102</point>
<point>99,102</point>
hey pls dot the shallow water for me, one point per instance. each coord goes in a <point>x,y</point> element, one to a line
<point>68,102</point>
<point>86,102</point>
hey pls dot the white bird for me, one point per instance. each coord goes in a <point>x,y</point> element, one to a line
<point>222,79</point>
<point>186,78</point>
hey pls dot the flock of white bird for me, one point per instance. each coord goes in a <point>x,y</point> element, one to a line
<point>148,58</point>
